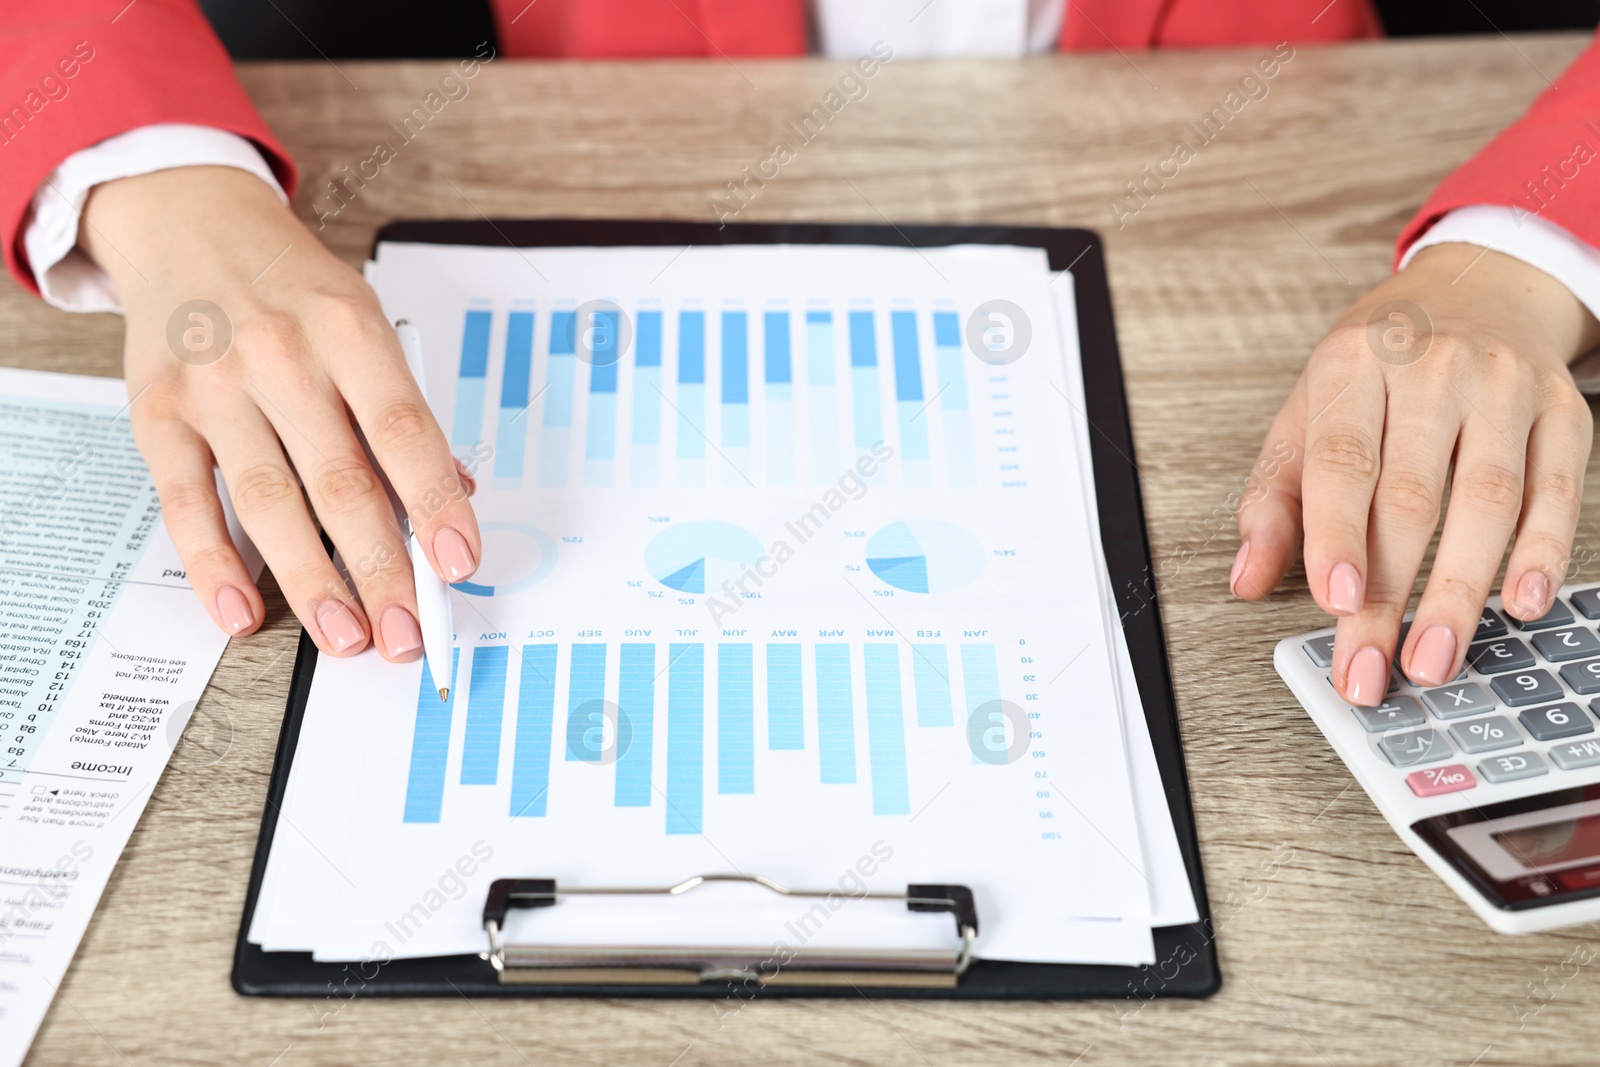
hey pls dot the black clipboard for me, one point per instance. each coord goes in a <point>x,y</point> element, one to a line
<point>1186,958</point>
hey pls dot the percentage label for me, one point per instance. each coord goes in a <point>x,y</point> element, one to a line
<point>1487,731</point>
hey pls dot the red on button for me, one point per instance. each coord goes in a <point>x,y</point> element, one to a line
<point>1436,780</point>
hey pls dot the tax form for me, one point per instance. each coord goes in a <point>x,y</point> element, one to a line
<point>104,652</point>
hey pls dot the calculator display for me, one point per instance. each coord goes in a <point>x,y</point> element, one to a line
<point>1525,853</point>
<point>1553,844</point>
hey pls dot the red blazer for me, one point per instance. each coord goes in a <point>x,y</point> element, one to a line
<point>74,72</point>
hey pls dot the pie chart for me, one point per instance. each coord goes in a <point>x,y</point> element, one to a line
<point>925,556</point>
<point>693,557</point>
<point>515,557</point>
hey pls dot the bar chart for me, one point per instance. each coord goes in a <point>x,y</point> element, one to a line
<point>855,711</point>
<point>736,397</point>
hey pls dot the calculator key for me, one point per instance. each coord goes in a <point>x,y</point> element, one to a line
<point>1395,681</point>
<point>1576,754</point>
<point>1413,747</point>
<point>1436,780</point>
<point>1395,713</point>
<point>1456,701</point>
<point>1556,721</point>
<point>1320,649</point>
<point>1486,735</point>
<point>1512,767</point>
<point>1558,615</point>
<point>1490,625</point>
<point>1494,657</point>
<point>1583,678</point>
<point>1587,601</point>
<point>1559,646</point>
<point>1526,687</point>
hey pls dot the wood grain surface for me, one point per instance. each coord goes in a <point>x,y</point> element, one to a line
<point>1338,946</point>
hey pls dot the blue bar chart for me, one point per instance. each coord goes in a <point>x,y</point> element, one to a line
<point>646,434</point>
<point>909,404</point>
<point>735,397</point>
<point>691,398</point>
<point>472,384</point>
<point>849,709</point>
<point>561,371</point>
<point>696,398</point>
<point>511,425</point>
<point>603,346</point>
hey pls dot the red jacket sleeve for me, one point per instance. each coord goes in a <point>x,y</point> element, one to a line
<point>75,72</point>
<point>1546,164</point>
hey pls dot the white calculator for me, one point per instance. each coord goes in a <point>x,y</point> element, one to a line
<point>1494,779</point>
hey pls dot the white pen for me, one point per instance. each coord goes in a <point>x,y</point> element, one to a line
<point>433,595</point>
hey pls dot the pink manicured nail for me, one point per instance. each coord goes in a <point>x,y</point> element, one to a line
<point>1368,678</point>
<point>1344,589</point>
<point>1533,595</point>
<point>1238,568</point>
<point>339,626</point>
<point>234,608</point>
<point>1434,655</point>
<point>400,631</point>
<point>451,550</point>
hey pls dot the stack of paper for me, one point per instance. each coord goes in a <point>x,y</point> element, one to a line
<point>791,568</point>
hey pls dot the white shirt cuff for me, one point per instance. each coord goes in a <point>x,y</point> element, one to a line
<point>67,277</point>
<point>1536,242</point>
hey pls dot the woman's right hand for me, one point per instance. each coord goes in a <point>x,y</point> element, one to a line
<point>311,359</point>
<point>1452,373</point>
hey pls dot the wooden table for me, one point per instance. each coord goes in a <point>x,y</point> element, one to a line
<point>1347,952</point>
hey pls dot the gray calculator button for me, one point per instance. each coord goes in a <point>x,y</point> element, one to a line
<point>1506,654</point>
<point>1394,713</point>
<point>1395,681</point>
<point>1556,721</point>
<point>1576,754</point>
<point>1511,767</point>
<point>1413,747</point>
<point>1587,601</point>
<point>1559,646</point>
<point>1558,615</point>
<point>1485,735</point>
<point>1584,678</point>
<point>1456,701</point>
<point>1526,687</point>
<point>1490,625</point>
<point>1320,649</point>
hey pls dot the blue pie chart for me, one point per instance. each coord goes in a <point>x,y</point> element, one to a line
<point>693,557</point>
<point>925,556</point>
<point>516,556</point>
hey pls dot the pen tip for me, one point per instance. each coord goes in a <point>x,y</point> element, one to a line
<point>444,694</point>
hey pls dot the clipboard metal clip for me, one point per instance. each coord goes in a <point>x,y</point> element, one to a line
<point>695,964</point>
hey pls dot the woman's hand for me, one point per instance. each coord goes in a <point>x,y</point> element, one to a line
<point>311,358</point>
<point>1459,359</point>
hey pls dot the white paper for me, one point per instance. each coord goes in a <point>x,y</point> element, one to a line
<point>587,500</point>
<point>1171,894</point>
<point>93,697</point>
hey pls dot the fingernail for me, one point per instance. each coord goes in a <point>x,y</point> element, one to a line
<point>1434,655</point>
<point>1238,568</point>
<point>1344,590</point>
<point>400,632</point>
<point>451,550</point>
<point>234,607</point>
<point>339,626</point>
<point>467,480</point>
<point>1368,678</point>
<point>1533,595</point>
